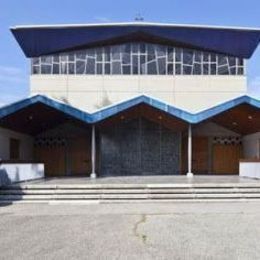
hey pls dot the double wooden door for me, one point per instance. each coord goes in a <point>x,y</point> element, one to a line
<point>71,158</point>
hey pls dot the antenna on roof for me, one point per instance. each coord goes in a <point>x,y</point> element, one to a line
<point>139,18</point>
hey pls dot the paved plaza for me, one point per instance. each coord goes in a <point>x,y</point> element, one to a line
<point>131,231</point>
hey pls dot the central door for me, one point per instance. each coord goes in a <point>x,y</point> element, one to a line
<point>139,147</point>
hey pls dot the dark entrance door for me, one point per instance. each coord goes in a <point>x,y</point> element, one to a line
<point>139,147</point>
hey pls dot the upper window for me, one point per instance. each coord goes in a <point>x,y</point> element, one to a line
<point>136,59</point>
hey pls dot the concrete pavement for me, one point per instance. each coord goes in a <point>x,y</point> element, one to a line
<point>132,231</point>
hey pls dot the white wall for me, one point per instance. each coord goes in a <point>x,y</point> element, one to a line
<point>26,144</point>
<point>17,172</point>
<point>251,145</point>
<point>192,93</point>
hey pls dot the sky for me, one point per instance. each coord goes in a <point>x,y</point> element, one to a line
<point>15,67</point>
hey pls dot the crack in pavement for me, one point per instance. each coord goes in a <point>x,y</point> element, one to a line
<point>139,235</point>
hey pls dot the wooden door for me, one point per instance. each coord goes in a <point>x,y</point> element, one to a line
<point>226,158</point>
<point>200,155</point>
<point>54,159</point>
<point>80,156</point>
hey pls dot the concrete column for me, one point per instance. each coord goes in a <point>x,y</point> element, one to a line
<point>189,173</point>
<point>93,174</point>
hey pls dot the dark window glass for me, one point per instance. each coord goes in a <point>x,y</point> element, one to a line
<point>240,71</point>
<point>64,68</point>
<point>151,68</point>
<point>187,70</point>
<point>232,61</point>
<point>116,67</point>
<point>233,70</point>
<point>46,69</point>
<point>99,55</point>
<point>188,58</point>
<point>178,55</point>
<point>170,69</point>
<point>162,66</point>
<point>135,48</point>
<point>135,64</point>
<point>71,68</point>
<point>81,55</point>
<point>205,68</point>
<point>213,69</point>
<point>223,70</point>
<point>126,69</point>
<point>240,62</point>
<point>14,149</point>
<point>56,69</point>
<point>126,58</point>
<point>99,68</point>
<point>178,69</point>
<point>222,60</point>
<point>197,56</point>
<point>170,54</point>
<point>90,66</point>
<point>36,70</point>
<point>197,69</point>
<point>142,48</point>
<point>213,57</point>
<point>71,57</point>
<point>107,53</point>
<point>46,59</point>
<point>205,57</point>
<point>80,67</point>
<point>35,61</point>
<point>115,52</point>
<point>107,68</point>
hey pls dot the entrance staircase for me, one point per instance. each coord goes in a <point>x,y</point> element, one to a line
<point>126,193</point>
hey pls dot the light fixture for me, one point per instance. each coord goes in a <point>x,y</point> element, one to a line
<point>250,117</point>
<point>160,117</point>
<point>122,117</point>
<point>234,123</point>
<point>30,117</point>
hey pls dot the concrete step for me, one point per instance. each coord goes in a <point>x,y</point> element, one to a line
<point>128,191</point>
<point>128,196</point>
<point>132,186</point>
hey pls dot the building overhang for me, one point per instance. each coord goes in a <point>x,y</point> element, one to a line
<point>38,113</point>
<point>43,40</point>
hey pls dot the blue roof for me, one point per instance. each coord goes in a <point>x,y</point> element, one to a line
<point>120,107</point>
<point>42,40</point>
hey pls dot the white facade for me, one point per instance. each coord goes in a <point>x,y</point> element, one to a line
<point>91,92</point>
<point>251,145</point>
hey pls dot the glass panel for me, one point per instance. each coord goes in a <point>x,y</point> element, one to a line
<point>56,69</point>
<point>178,69</point>
<point>99,68</point>
<point>223,70</point>
<point>138,58</point>
<point>152,68</point>
<point>46,69</point>
<point>71,68</point>
<point>36,70</point>
<point>90,66</point>
<point>197,69</point>
<point>187,70</point>
<point>107,68</point>
<point>80,67</point>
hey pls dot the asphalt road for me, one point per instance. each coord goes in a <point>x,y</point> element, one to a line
<point>131,231</point>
